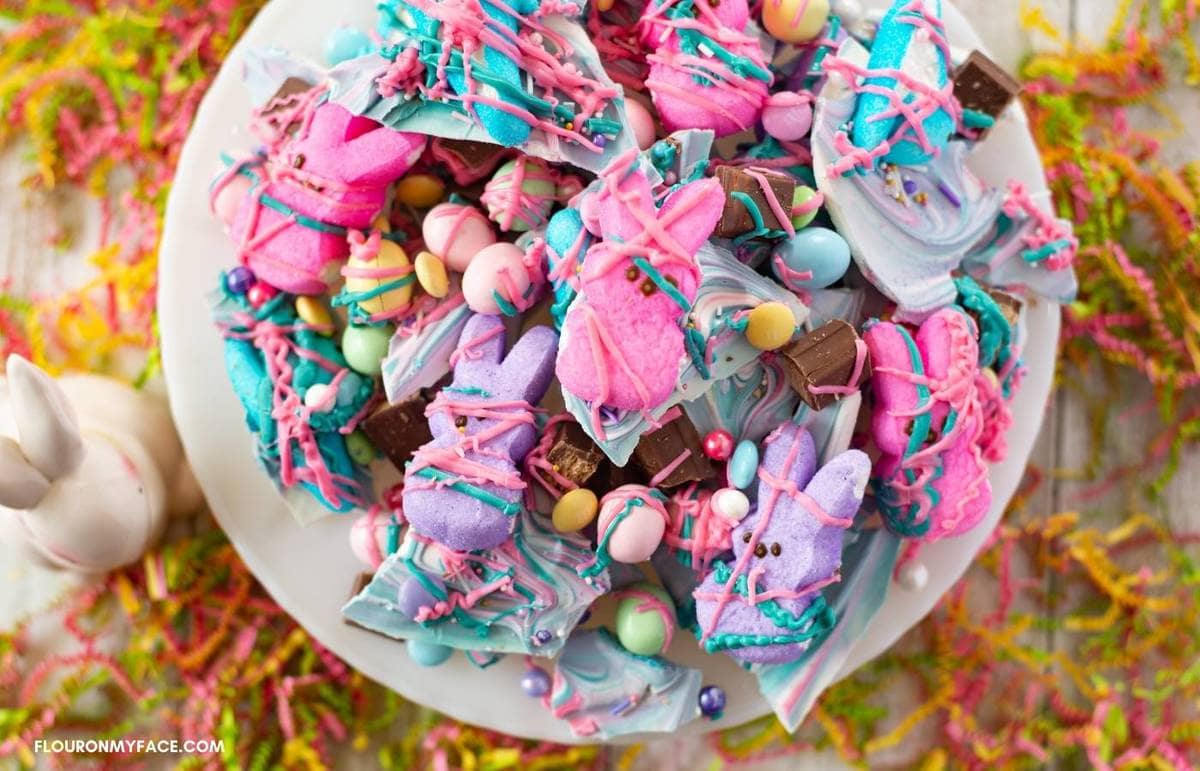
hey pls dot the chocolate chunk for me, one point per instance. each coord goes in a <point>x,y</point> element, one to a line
<point>983,86</point>
<point>737,218</point>
<point>825,357</point>
<point>468,161</point>
<point>662,447</point>
<point>575,455</point>
<point>397,430</point>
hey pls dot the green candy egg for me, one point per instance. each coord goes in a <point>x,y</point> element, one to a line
<point>502,202</point>
<point>641,629</point>
<point>360,448</point>
<point>802,196</point>
<point>366,347</point>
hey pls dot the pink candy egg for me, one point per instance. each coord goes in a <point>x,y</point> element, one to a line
<point>638,533</point>
<point>456,233</point>
<point>498,269</point>
<point>787,116</point>
<point>642,122</point>
<point>369,538</point>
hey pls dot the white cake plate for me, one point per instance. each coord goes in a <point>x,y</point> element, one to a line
<point>309,570</point>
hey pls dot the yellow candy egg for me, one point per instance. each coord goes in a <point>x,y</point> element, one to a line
<point>795,21</point>
<point>770,326</point>
<point>575,510</point>
<point>314,313</point>
<point>420,190</point>
<point>388,266</point>
<point>431,275</point>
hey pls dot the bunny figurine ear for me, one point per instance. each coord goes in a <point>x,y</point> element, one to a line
<point>790,455</point>
<point>21,485</point>
<point>46,423</point>
<point>692,212</point>
<point>529,366</point>
<point>840,484</point>
<point>480,349</point>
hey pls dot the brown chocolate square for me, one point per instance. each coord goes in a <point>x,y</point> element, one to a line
<point>983,86</point>
<point>575,455</point>
<point>660,448</point>
<point>398,430</point>
<point>824,357</point>
<point>736,218</point>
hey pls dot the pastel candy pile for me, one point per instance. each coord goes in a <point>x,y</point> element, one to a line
<point>597,392</point>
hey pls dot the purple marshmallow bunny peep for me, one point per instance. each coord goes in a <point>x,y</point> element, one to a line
<point>767,607</point>
<point>464,488</point>
<point>290,212</point>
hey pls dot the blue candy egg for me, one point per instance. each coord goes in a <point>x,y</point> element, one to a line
<point>820,251</point>
<point>346,43</point>
<point>348,389</point>
<point>427,654</point>
<point>743,465</point>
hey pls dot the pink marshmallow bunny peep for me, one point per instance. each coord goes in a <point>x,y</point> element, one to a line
<point>705,71</point>
<point>623,337</point>
<point>932,479</point>
<point>290,212</point>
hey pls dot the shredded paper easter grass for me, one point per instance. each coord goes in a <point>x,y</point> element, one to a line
<point>1085,647</point>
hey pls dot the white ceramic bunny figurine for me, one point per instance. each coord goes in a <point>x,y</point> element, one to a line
<point>90,469</point>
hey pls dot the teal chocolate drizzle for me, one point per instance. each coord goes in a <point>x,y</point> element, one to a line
<point>509,508</point>
<point>691,41</point>
<point>813,623</point>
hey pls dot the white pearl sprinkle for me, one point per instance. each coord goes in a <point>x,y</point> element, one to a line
<point>913,576</point>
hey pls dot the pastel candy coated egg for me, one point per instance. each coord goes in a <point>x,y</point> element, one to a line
<point>365,347</point>
<point>743,466</point>
<point>804,207</point>
<point>431,275</point>
<point>314,313</point>
<point>368,539</point>
<point>389,265</point>
<point>360,449</point>
<point>516,208</point>
<point>456,232</point>
<point>787,116</point>
<point>730,504</point>
<point>645,133</point>
<point>642,619</point>
<point>794,21</point>
<point>575,510</point>
<point>420,190</point>
<point>819,251</point>
<point>636,536</point>
<point>483,285</point>
<point>320,398</point>
<point>427,654</point>
<point>345,43</point>
<point>770,326</point>
<point>412,595</point>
